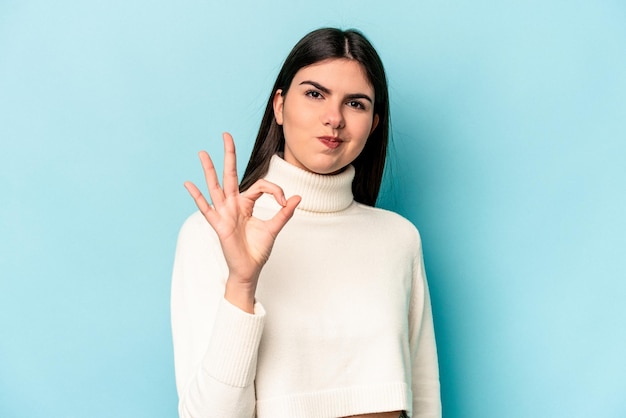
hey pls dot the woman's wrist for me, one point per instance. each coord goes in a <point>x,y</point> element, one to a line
<point>240,295</point>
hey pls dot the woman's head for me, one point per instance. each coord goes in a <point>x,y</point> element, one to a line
<point>327,115</point>
<point>344,51</point>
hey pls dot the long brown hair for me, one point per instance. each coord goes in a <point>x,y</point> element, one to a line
<point>320,45</point>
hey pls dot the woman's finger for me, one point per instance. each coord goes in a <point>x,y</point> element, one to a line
<point>283,215</point>
<point>201,202</point>
<point>231,183</point>
<point>213,184</point>
<point>261,187</point>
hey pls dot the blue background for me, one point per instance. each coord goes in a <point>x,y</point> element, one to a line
<point>509,129</point>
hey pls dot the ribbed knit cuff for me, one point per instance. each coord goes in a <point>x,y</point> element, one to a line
<point>233,349</point>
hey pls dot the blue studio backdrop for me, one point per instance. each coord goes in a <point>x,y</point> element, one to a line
<point>509,146</point>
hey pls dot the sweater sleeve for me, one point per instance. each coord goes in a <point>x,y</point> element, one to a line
<point>215,343</point>
<point>425,368</point>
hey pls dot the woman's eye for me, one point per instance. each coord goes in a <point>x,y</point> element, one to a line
<point>314,94</point>
<point>356,104</point>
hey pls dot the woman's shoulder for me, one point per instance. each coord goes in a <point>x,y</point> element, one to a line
<point>395,225</point>
<point>196,219</point>
<point>385,215</point>
<point>196,228</point>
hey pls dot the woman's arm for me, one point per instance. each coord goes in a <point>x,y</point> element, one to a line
<point>215,343</point>
<point>425,368</point>
<point>216,323</point>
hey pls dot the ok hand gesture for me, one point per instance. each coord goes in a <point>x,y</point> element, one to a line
<point>246,241</point>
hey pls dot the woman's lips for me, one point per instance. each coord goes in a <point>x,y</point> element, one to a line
<point>330,141</point>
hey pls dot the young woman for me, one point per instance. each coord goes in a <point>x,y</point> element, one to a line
<point>315,305</point>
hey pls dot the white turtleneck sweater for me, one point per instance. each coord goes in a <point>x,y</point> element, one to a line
<point>342,323</point>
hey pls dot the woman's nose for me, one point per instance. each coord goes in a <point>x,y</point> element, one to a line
<point>333,116</point>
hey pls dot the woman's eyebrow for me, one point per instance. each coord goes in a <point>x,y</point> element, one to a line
<point>359,96</point>
<point>316,85</point>
<point>327,91</point>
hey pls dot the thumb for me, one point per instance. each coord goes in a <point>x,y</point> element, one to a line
<point>276,224</point>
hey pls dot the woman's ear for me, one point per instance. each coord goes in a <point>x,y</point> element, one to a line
<point>279,100</point>
<point>374,123</point>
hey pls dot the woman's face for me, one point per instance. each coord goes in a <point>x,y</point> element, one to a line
<point>327,115</point>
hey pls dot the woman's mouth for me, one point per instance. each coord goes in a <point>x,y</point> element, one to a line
<point>331,142</point>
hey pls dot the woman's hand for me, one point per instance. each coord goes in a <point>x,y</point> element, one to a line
<point>246,241</point>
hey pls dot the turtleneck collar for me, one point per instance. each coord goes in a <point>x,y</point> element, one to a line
<point>319,192</point>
